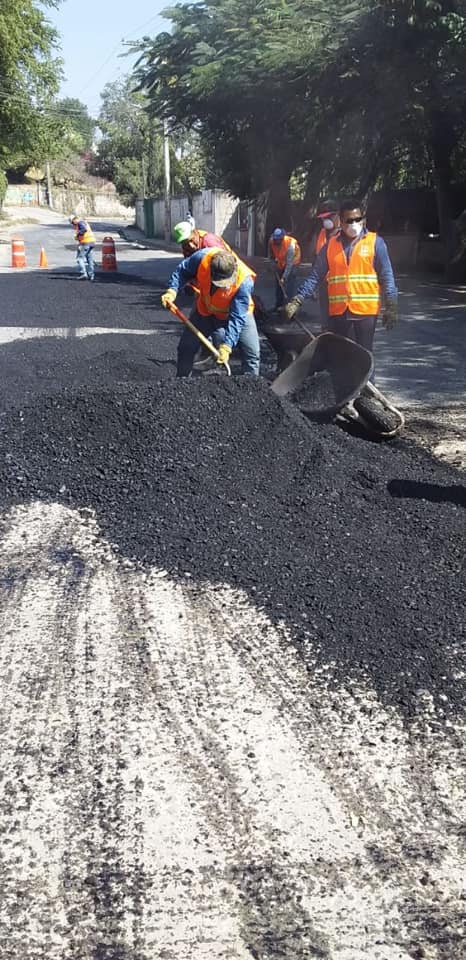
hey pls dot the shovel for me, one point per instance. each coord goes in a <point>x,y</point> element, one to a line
<point>197,333</point>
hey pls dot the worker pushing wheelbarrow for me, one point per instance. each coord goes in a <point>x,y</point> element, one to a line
<point>357,269</point>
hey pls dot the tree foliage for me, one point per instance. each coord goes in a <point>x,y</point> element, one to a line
<point>80,127</point>
<point>339,96</point>
<point>29,79</point>
<point>130,152</point>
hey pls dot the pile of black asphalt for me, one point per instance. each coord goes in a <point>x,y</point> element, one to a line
<point>357,548</point>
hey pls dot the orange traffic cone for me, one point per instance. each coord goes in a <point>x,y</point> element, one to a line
<point>43,262</point>
<point>18,253</point>
<point>108,254</point>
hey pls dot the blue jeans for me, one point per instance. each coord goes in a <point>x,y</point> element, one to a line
<point>290,288</point>
<point>85,258</point>
<point>213,328</point>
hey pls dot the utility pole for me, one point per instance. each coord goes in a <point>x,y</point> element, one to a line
<point>49,184</point>
<point>167,184</point>
<point>143,177</point>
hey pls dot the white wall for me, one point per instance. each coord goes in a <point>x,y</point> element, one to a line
<point>140,219</point>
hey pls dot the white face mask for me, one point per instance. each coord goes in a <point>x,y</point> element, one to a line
<point>352,229</point>
<point>328,224</point>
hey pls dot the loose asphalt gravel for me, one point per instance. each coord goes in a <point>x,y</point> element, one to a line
<point>353,551</point>
<point>359,547</point>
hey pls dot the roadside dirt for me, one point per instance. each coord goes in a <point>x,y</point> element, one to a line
<point>442,431</point>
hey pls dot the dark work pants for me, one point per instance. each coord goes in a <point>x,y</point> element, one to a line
<point>360,329</point>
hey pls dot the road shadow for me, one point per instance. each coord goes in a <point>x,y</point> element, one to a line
<point>434,492</point>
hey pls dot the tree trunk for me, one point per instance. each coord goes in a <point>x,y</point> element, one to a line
<point>443,142</point>
<point>279,210</point>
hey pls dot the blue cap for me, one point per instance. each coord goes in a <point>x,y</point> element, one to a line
<point>278,233</point>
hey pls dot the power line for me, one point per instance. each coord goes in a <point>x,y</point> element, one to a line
<point>115,48</point>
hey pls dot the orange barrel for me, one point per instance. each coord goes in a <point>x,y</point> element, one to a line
<point>108,254</point>
<point>18,252</point>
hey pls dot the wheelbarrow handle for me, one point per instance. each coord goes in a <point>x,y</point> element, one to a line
<point>197,333</point>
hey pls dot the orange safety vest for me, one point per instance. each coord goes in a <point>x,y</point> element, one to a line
<point>215,301</point>
<point>353,286</point>
<point>87,236</point>
<point>279,251</point>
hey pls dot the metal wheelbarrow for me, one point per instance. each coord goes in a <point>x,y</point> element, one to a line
<point>328,376</point>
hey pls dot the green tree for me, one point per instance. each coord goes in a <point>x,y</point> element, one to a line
<point>130,152</point>
<point>77,120</point>
<point>125,149</point>
<point>29,79</point>
<point>324,96</point>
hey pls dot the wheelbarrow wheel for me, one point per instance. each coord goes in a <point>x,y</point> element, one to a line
<point>375,415</point>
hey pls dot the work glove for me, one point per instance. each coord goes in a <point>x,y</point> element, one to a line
<point>223,353</point>
<point>389,315</point>
<point>291,308</point>
<point>168,298</point>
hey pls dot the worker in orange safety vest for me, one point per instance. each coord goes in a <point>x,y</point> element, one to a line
<point>192,238</point>
<point>329,219</point>
<point>285,251</point>
<point>360,281</point>
<point>224,309</point>
<point>85,252</point>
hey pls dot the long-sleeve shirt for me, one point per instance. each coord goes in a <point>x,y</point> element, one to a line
<point>239,304</point>
<point>288,259</point>
<point>81,228</point>
<point>382,267</point>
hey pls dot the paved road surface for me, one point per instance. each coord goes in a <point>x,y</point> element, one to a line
<point>176,781</point>
<point>421,363</point>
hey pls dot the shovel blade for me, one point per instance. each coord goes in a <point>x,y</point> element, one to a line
<point>328,373</point>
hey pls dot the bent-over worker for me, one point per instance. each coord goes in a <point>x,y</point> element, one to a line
<point>224,309</point>
<point>360,280</point>
<point>85,252</point>
<point>286,253</point>
<point>192,239</point>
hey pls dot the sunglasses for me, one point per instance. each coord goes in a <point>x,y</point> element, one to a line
<point>354,220</point>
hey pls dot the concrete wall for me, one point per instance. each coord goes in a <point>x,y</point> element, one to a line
<point>90,203</point>
<point>140,218</point>
<point>25,195</point>
<point>86,203</point>
<point>212,210</point>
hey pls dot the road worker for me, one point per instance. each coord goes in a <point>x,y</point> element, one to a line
<point>192,239</point>
<point>224,308</point>
<point>360,282</point>
<point>286,254</point>
<point>329,218</point>
<point>85,252</point>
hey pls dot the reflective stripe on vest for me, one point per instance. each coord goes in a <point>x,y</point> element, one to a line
<point>87,236</point>
<point>217,304</point>
<point>353,286</point>
<point>279,251</point>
